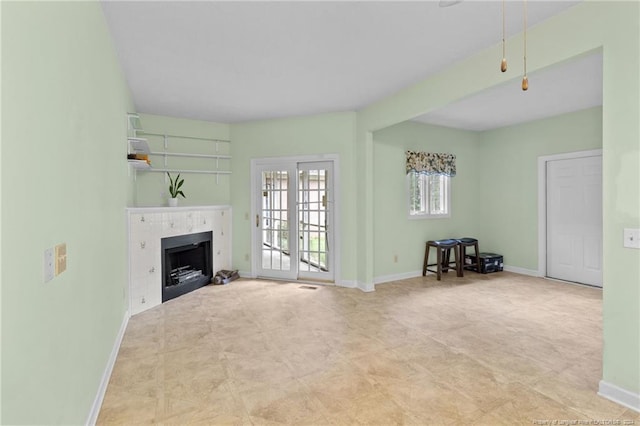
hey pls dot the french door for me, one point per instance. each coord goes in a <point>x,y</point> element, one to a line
<point>294,220</point>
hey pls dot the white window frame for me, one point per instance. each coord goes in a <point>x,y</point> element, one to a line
<point>428,215</point>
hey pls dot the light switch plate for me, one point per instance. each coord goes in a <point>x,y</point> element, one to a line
<point>48,265</point>
<point>61,258</point>
<point>632,238</point>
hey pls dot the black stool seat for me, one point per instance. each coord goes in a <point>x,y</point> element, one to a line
<point>467,240</point>
<point>473,262</point>
<point>444,243</point>
<point>443,254</point>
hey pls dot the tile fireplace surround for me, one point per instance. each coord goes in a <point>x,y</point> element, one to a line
<point>146,228</point>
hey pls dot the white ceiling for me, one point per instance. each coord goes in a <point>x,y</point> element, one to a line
<point>242,61</point>
<point>564,88</point>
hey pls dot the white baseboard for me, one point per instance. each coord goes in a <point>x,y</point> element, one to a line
<point>413,274</point>
<point>619,396</point>
<point>366,287</point>
<point>102,389</point>
<point>396,277</point>
<point>521,271</point>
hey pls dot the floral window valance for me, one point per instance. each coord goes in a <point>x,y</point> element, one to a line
<point>431,163</point>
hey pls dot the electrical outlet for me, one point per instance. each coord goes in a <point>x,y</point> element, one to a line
<point>246,257</point>
<point>395,258</point>
<point>61,258</point>
<point>48,265</point>
<point>632,238</point>
<point>246,215</point>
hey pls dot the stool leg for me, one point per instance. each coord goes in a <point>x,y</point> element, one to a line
<point>439,260</point>
<point>446,255</point>
<point>459,261</point>
<point>426,259</point>
<point>475,247</point>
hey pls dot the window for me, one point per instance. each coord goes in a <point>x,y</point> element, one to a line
<point>429,195</point>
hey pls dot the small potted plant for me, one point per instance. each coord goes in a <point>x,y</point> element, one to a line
<point>174,189</point>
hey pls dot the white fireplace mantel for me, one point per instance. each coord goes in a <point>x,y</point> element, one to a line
<point>148,225</point>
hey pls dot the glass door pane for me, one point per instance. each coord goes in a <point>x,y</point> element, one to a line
<point>273,219</point>
<point>314,220</point>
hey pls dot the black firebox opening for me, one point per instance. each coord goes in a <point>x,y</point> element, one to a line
<point>186,264</point>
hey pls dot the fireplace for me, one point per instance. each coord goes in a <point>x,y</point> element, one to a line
<point>186,264</point>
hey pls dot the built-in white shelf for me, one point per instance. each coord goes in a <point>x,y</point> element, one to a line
<point>209,172</point>
<point>181,154</point>
<point>139,164</point>
<point>183,137</point>
<point>138,145</point>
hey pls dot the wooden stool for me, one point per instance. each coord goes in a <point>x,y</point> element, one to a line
<point>463,244</point>
<point>443,251</point>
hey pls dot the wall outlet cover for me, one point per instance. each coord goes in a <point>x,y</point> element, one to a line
<point>48,265</point>
<point>632,238</point>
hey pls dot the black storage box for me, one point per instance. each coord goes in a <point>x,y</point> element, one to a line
<point>489,262</point>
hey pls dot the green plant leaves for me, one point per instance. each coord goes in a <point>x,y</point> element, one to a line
<point>175,185</point>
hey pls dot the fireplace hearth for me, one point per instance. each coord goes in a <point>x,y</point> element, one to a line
<point>186,263</point>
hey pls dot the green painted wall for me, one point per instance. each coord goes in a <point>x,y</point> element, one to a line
<point>64,179</point>
<point>394,232</point>
<point>0,219</point>
<point>620,31</point>
<point>613,27</point>
<point>320,134</point>
<point>509,179</point>
<point>151,188</point>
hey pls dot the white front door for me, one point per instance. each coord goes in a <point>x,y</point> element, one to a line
<point>294,220</point>
<point>574,220</point>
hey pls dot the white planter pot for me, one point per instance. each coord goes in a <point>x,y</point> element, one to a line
<point>173,202</point>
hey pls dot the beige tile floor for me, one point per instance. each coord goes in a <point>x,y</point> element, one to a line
<point>483,349</point>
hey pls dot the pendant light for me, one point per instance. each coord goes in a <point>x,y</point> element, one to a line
<point>525,80</point>
<point>503,64</point>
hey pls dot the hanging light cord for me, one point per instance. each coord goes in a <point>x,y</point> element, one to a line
<point>525,79</point>
<point>503,64</point>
